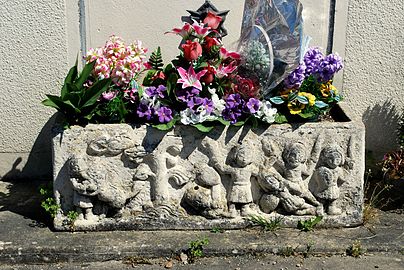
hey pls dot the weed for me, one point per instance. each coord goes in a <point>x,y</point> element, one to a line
<point>309,249</point>
<point>217,230</point>
<point>374,198</point>
<point>195,249</point>
<point>287,251</point>
<point>355,250</point>
<point>266,225</point>
<point>49,203</point>
<point>134,261</point>
<point>72,216</point>
<point>308,225</point>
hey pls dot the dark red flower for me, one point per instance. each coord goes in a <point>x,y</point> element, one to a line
<point>246,87</point>
<point>209,75</point>
<point>192,50</point>
<point>209,43</point>
<point>212,20</point>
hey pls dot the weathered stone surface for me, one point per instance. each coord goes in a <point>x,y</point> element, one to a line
<point>124,177</point>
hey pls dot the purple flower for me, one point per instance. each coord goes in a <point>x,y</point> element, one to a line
<point>153,91</point>
<point>187,93</point>
<point>194,101</point>
<point>233,108</point>
<point>329,66</point>
<point>296,78</point>
<point>208,105</point>
<point>164,114</point>
<point>312,60</point>
<point>145,111</point>
<point>253,105</point>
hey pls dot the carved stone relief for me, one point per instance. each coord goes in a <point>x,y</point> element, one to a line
<point>119,177</point>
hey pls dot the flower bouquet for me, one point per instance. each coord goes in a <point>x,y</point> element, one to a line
<point>206,85</point>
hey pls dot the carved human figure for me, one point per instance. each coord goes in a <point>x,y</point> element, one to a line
<point>329,177</point>
<point>285,181</point>
<point>85,186</point>
<point>241,170</point>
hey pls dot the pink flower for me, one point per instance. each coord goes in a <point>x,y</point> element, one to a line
<point>200,30</point>
<point>223,70</point>
<point>109,95</point>
<point>212,20</point>
<point>224,54</point>
<point>184,32</point>
<point>190,78</point>
<point>192,50</point>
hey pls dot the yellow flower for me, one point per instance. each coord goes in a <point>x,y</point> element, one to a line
<point>285,92</point>
<point>310,97</point>
<point>295,107</point>
<point>327,89</point>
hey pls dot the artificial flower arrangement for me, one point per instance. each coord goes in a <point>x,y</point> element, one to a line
<point>204,86</point>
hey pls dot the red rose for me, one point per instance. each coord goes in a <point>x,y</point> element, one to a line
<point>209,75</point>
<point>212,20</point>
<point>209,43</point>
<point>192,50</point>
<point>246,87</point>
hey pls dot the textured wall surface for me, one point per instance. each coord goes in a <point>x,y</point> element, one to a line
<point>33,62</point>
<point>374,73</point>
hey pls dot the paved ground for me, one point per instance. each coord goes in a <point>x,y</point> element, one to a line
<point>27,243</point>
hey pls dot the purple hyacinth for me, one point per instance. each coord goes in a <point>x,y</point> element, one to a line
<point>329,66</point>
<point>164,114</point>
<point>253,105</point>
<point>153,91</point>
<point>145,111</point>
<point>208,105</point>
<point>187,93</point>
<point>312,60</point>
<point>234,108</point>
<point>296,78</point>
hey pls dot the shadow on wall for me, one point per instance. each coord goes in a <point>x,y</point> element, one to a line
<point>381,123</point>
<point>39,161</point>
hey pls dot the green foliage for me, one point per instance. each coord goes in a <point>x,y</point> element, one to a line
<point>217,230</point>
<point>287,251</point>
<point>195,249</point>
<point>355,250</point>
<point>72,216</point>
<point>308,225</point>
<point>266,225</point>
<point>156,60</point>
<point>77,102</point>
<point>48,203</point>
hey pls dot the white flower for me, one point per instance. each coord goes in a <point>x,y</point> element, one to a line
<point>218,105</point>
<point>267,112</point>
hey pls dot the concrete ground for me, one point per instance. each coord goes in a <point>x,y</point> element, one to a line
<point>26,242</point>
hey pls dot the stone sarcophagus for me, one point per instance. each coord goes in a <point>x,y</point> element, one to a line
<point>123,177</point>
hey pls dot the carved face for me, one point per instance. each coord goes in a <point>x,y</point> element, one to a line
<point>294,155</point>
<point>333,157</point>
<point>243,156</point>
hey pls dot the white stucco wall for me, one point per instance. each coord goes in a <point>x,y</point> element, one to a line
<point>41,38</point>
<point>374,70</point>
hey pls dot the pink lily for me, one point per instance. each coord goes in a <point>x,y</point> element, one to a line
<point>226,54</point>
<point>200,30</point>
<point>184,32</point>
<point>190,78</point>
<point>223,71</point>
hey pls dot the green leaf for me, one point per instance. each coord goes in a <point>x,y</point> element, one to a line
<point>166,126</point>
<point>239,124</point>
<point>171,83</point>
<point>65,107</point>
<point>307,115</point>
<point>156,60</point>
<point>85,73</point>
<point>302,99</point>
<point>224,122</point>
<point>140,91</point>
<point>50,103</point>
<point>320,104</point>
<point>277,100</point>
<point>292,96</point>
<point>254,121</point>
<point>72,75</point>
<point>280,118</point>
<point>92,94</point>
<point>203,128</point>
